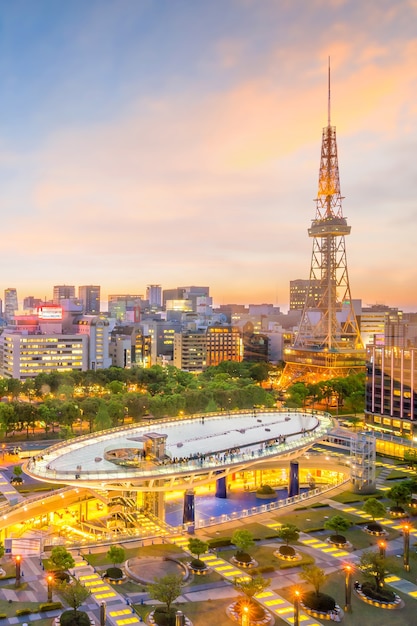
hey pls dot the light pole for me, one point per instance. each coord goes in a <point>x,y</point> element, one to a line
<point>406,532</point>
<point>382,547</point>
<point>49,580</point>
<point>245,616</point>
<point>348,589</point>
<point>102,613</point>
<point>296,608</point>
<point>18,564</point>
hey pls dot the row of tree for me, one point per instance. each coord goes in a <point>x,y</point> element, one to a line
<point>347,392</point>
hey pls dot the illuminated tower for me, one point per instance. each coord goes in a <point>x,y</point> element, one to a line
<point>328,342</point>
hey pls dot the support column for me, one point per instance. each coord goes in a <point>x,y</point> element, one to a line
<point>189,512</point>
<point>294,482</point>
<point>221,487</point>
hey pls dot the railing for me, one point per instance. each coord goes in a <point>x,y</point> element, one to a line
<point>41,468</point>
<point>271,506</point>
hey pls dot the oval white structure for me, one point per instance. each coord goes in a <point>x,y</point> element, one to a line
<point>183,452</point>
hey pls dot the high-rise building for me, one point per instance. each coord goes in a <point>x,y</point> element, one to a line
<point>30,302</point>
<point>154,296</point>
<point>391,397</point>
<point>224,343</point>
<point>10,303</point>
<point>125,307</point>
<point>328,342</point>
<point>190,349</point>
<point>299,289</point>
<point>89,295</point>
<point>63,292</point>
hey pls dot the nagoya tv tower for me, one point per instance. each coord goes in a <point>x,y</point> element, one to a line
<point>328,342</point>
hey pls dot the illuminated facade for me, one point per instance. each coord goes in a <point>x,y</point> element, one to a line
<point>26,356</point>
<point>190,351</point>
<point>299,290</point>
<point>391,399</point>
<point>328,342</point>
<point>10,303</point>
<point>224,343</point>
<point>63,292</point>
<point>97,329</point>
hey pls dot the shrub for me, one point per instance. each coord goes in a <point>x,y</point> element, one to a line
<point>23,612</point>
<point>197,564</point>
<point>162,618</point>
<point>374,527</point>
<point>220,542</point>
<point>70,618</point>
<point>243,557</point>
<point>114,572</point>
<point>265,490</point>
<point>3,615</point>
<point>50,606</point>
<point>287,551</point>
<point>319,602</point>
<point>380,594</point>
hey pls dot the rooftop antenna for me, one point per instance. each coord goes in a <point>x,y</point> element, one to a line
<point>328,103</point>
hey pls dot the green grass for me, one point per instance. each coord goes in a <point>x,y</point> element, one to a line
<point>200,613</point>
<point>348,497</point>
<point>10,607</point>
<point>100,559</point>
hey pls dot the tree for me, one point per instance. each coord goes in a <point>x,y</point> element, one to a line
<point>61,558</point>
<point>314,575</point>
<point>374,508</point>
<point>250,587</point>
<point>102,420</point>
<point>74,594</point>
<point>288,533</point>
<point>373,566</point>
<point>243,540</point>
<point>339,524</point>
<point>197,547</point>
<point>116,554</point>
<point>400,494</point>
<point>166,589</point>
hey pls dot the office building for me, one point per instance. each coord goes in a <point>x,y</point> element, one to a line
<point>10,303</point>
<point>190,350</point>
<point>154,296</point>
<point>391,398</point>
<point>300,289</point>
<point>63,292</point>
<point>125,307</point>
<point>89,296</point>
<point>224,343</point>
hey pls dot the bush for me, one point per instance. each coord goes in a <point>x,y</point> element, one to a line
<point>263,569</point>
<point>243,557</point>
<point>319,602</point>
<point>67,618</point>
<point>3,615</point>
<point>374,527</point>
<point>220,542</point>
<point>23,612</point>
<point>60,576</point>
<point>50,606</point>
<point>162,618</point>
<point>114,572</point>
<point>287,551</point>
<point>339,539</point>
<point>265,490</point>
<point>197,564</point>
<point>379,594</point>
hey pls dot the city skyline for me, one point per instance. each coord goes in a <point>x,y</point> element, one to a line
<point>170,143</point>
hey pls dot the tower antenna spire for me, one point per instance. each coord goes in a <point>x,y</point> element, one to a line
<point>328,102</point>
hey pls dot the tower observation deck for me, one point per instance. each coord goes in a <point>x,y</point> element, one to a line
<point>328,342</point>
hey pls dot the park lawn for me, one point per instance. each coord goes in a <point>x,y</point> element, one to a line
<point>9,608</point>
<point>199,613</point>
<point>312,519</point>
<point>348,497</point>
<point>362,613</point>
<point>259,531</point>
<point>396,474</point>
<point>100,559</point>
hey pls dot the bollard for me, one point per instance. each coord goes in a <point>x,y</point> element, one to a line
<point>179,618</point>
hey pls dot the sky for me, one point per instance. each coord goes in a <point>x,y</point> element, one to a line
<point>178,142</point>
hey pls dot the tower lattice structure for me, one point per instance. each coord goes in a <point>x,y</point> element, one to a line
<point>328,342</point>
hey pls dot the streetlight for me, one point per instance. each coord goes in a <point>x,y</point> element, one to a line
<point>18,564</point>
<point>348,589</point>
<point>245,616</point>
<point>382,547</point>
<point>406,531</point>
<point>296,608</point>
<point>49,580</point>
